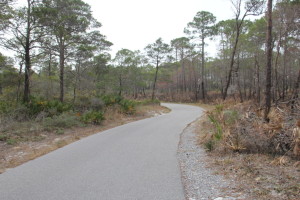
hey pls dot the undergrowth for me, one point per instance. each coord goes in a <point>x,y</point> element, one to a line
<point>262,157</point>
<point>21,122</point>
<point>241,128</point>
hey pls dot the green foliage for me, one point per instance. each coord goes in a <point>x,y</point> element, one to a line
<point>230,116</point>
<point>94,117</point>
<point>219,132</point>
<point>110,100</point>
<point>5,107</point>
<point>219,108</point>
<point>127,106</point>
<point>60,132</point>
<point>209,145</point>
<point>65,120</point>
<point>53,107</point>
<point>11,141</point>
<point>202,25</point>
<point>148,102</point>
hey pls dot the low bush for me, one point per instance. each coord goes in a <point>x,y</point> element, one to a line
<point>149,102</point>
<point>218,127</point>
<point>94,117</point>
<point>11,141</point>
<point>127,106</point>
<point>5,106</point>
<point>230,116</point>
<point>110,100</point>
<point>53,107</point>
<point>209,145</point>
<point>65,120</point>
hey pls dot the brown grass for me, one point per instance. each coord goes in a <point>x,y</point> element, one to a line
<point>257,173</point>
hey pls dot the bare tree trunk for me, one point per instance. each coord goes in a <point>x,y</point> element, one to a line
<point>19,81</point>
<point>154,84</point>
<point>284,85</point>
<point>61,68</point>
<point>183,74</point>
<point>296,93</point>
<point>238,79</point>
<point>276,88</point>
<point>258,80</point>
<point>50,86</point>
<point>269,64</point>
<point>232,60</point>
<point>27,57</point>
<point>120,85</point>
<point>239,23</point>
<point>77,81</point>
<point>202,70</point>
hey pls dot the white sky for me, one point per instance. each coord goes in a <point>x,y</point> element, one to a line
<point>133,24</point>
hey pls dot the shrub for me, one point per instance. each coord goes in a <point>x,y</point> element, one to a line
<point>209,145</point>
<point>219,108</point>
<point>219,132</point>
<point>65,120</point>
<point>94,117</point>
<point>60,132</point>
<point>11,141</point>
<point>149,102</point>
<point>110,100</point>
<point>59,106</point>
<point>127,106</point>
<point>53,107</point>
<point>230,116</point>
<point>5,107</point>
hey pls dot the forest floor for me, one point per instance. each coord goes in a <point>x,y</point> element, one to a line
<point>45,142</point>
<point>254,175</point>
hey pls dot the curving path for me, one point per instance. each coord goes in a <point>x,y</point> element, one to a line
<point>136,161</point>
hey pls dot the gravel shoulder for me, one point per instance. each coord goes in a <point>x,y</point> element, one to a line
<point>200,181</point>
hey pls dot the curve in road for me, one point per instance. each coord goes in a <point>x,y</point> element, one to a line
<point>130,162</point>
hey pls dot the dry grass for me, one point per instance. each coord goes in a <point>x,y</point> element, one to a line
<point>29,149</point>
<point>243,154</point>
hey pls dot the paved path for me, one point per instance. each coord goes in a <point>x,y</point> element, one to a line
<point>136,161</point>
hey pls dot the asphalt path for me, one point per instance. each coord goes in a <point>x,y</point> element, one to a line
<point>136,161</point>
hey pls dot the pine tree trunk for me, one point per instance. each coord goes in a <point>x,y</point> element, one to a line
<point>202,70</point>
<point>154,84</point>
<point>296,93</point>
<point>27,58</point>
<point>232,61</point>
<point>61,69</point>
<point>269,64</point>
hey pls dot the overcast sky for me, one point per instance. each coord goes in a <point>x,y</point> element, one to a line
<point>133,24</point>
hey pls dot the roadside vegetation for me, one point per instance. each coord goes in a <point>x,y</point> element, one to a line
<point>264,158</point>
<point>34,129</point>
<point>23,122</point>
